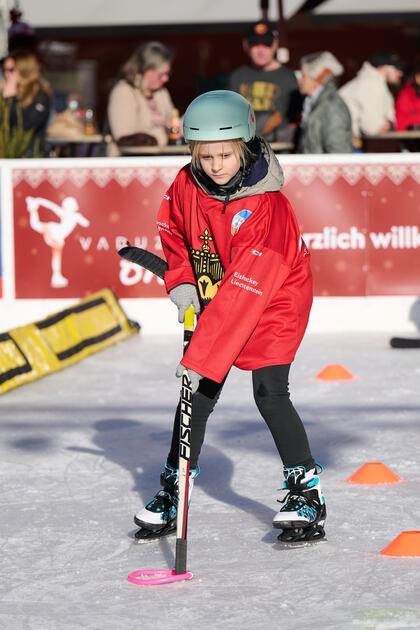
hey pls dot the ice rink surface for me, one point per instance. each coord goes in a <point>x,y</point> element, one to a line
<point>81,451</point>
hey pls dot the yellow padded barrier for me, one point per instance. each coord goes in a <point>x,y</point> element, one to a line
<point>64,338</point>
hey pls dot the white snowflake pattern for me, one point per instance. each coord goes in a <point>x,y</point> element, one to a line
<point>374,173</point>
<point>102,176</point>
<point>352,174</point>
<point>305,174</point>
<point>56,176</point>
<point>397,173</point>
<point>329,174</point>
<point>124,176</point>
<point>167,175</point>
<point>146,175</point>
<point>79,176</point>
<point>415,172</point>
<point>17,175</point>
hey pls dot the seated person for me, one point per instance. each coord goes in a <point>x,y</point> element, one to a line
<point>140,107</point>
<point>29,98</point>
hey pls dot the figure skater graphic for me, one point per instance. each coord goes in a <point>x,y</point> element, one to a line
<point>56,232</point>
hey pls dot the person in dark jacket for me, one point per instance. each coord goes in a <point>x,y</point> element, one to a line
<point>235,253</point>
<point>29,96</point>
<point>326,122</point>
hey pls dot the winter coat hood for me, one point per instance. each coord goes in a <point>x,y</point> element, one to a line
<point>370,73</point>
<point>265,176</point>
<point>369,100</point>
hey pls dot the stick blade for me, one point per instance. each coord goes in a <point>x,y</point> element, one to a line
<point>404,342</point>
<point>145,259</point>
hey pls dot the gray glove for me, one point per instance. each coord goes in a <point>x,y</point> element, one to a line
<point>193,376</point>
<point>183,296</point>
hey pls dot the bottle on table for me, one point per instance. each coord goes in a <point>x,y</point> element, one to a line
<point>175,136</point>
<point>89,126</point>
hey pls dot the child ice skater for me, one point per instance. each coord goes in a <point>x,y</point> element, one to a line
<point>235,253</point>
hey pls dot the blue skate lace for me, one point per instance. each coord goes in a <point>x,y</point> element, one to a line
<point>301,470</point>
<point>297,502</point>
<point>163,503</point>
<point>296,499</point>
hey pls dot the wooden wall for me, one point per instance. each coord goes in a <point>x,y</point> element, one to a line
<point>204,56</point>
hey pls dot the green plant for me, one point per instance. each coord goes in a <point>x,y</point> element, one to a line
<point>15,141</point>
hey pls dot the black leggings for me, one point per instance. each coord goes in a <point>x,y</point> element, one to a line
<point>271,394</point>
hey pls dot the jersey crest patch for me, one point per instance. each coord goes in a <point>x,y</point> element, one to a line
<point>238,219</point>
<point>208,268</point>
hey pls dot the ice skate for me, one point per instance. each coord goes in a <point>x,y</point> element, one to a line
<point>158,518</point>
<point>303,514</point>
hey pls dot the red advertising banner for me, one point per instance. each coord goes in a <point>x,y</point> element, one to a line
<point>361,224</point>
<point>359,220</point>
<point>69,224</point>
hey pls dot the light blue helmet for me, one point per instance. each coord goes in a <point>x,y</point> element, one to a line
<point>219,115</point>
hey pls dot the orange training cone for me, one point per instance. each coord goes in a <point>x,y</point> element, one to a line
<point>405,544</point>
<point>373,473</point>
<point>334,373</point>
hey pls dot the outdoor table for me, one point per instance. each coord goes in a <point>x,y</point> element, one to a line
<point>67,147</point>
<point>392,142</point>
<point>182,149</point>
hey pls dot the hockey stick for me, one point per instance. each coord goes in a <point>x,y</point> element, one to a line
<point>404,342</point>
<point>158,266</point>
<point>184,455</point>
<point>145,259</point>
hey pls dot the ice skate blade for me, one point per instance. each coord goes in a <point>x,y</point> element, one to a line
<point>150,526</point>
<point>301,543</point>
<point>148,535</point>
<point>152,539</point>
<point>298,535</point>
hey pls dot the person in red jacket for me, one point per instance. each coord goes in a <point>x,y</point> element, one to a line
<point>407,108</point>
<point>407,104</point>
<point>235,253</point>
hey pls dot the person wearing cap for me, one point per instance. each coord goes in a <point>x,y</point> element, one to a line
<point>235,253</point>
<point>369,98</point>
<point>269,86</point>
<point>326,123</point>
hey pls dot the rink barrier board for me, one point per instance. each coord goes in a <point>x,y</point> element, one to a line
<point>62,339</point>
<point>359,214</point>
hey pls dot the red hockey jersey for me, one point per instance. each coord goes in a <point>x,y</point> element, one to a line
<point>251,268</point>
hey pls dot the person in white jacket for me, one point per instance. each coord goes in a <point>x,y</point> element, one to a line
<point>369,98</point>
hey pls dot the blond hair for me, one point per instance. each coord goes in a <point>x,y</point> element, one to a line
<point>239,148</point>
<point>29,76</point>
